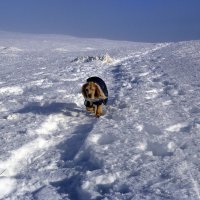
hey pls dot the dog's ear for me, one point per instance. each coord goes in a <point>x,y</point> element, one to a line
<point>99,93</point>
<point>83,90</point>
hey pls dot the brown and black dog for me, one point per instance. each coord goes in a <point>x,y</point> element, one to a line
<point>95,94</point>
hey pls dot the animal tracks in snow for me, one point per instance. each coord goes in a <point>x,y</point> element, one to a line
<point>22,157</point>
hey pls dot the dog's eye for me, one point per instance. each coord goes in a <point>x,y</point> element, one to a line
<point>86,90</point>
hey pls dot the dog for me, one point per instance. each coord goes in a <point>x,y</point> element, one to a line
<point>96,94</point>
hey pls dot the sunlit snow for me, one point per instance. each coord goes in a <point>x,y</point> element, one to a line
<point>145,147</point>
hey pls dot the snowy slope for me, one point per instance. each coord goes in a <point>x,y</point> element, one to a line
<point>147,144</point>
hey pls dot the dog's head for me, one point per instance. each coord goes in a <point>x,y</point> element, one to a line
<point>92,91</point>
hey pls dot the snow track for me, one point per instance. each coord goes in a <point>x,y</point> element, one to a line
<point>144,147</point>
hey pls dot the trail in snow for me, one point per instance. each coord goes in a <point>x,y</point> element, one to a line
<point>144,147</point>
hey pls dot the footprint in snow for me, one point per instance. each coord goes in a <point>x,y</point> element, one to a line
<point>179,127</point>
<point>136,80</point>
<point>102,139</point>
<point>151,129</point>
<point>2,107</point>
<point>161,149</point>
<point>106,139</point>
<point>152,94</point>
<point>156,148</point>
<point>172,89</point>
<point>195,110</point>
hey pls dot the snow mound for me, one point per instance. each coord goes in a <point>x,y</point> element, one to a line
<point>14,49</point>
<point>10,49</point>
<point>13,90</point>
<point>86,59</point>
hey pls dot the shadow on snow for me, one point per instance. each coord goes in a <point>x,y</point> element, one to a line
<point>50,108</point>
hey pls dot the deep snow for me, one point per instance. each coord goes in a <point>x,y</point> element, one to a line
<point>145,147</point>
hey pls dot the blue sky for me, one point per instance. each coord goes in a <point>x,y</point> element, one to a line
<point>135,20</point>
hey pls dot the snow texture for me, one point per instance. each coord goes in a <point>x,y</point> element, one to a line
<point>147,144</point>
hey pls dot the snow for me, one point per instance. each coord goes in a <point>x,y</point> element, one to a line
<point>7,186</point>
<point>145,146</point>
<point>14,90</point>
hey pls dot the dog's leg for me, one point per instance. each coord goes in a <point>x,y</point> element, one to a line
<point>90,109</point>
<point>99,111</point>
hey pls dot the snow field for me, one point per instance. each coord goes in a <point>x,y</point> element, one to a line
<point>144,147</point>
